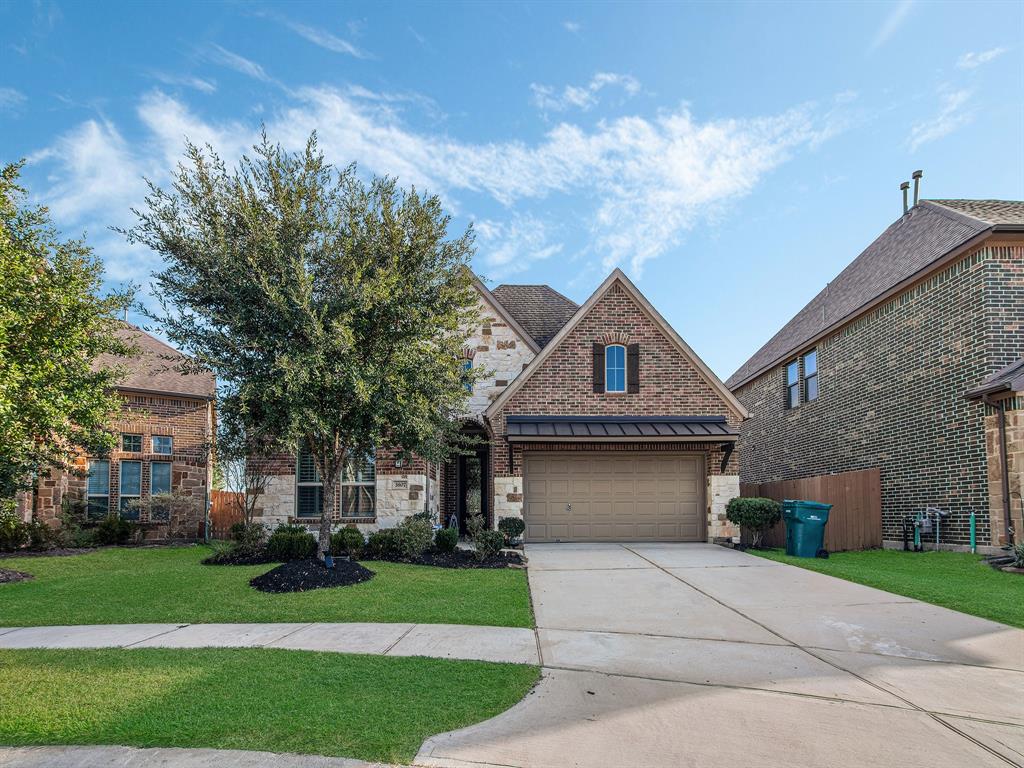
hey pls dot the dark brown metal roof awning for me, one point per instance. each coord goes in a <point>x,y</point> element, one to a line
<point>590,429</point>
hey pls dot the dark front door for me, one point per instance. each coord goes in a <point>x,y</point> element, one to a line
<point>472,488</point>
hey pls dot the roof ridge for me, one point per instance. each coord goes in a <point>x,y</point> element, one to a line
<point>953,213</point>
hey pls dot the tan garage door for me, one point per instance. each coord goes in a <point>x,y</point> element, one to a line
<point>614,497</point>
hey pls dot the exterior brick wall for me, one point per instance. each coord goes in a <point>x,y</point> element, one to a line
<point>892,387</point>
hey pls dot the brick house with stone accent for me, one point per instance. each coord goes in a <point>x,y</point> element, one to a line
<point>873,372</point>
<point>593,422</point>
<point>165,429</point>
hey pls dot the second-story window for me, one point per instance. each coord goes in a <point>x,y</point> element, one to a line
<point>811,376</point>
<point>615,368</point>
<point>131,443</point>
<point>793,384</point>
<point>163,444</point>
<point>467,367</point>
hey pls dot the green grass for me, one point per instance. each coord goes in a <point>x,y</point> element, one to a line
<point>957,580</point>
<point>366,707</point>
<point>168,585</point>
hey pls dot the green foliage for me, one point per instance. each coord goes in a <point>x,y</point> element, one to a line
<point>113,530</point>
<point>512,527</point>
<point>1018,555</point>
<point>348,541</point>
<point>41,536</point>
<point>382,545</point>
<point>54,323</point>
<point>290,542</point>
<point>754,514</point>
<point>13,531</point>
<point>446,539</point>
<point>414,537</point>
<point>333,311</point>
<point>71,532</point>
<point>249,534</point>
<point>488,543</point>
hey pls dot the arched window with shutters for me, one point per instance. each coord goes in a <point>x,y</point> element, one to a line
<point>615,368</point>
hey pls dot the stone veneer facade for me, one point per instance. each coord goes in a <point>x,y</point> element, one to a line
<point>670,384</point>
<point>1014,405</point>
<point>891,395</point>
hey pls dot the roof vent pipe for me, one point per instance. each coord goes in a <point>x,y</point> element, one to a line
<point>916,176</point>
<point>905,186</point>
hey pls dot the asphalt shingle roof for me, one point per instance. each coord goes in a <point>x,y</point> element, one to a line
<point>539,309</point>
<point>1010,378</point>
<point>154,369</point>
<point>911,243</point>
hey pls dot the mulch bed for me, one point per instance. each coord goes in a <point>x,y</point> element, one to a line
<point>461,558</point>
<point>236,557</point>
<point>7,576</point>
<point>304,575</point>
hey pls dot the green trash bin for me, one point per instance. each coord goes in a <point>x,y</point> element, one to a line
<point>805,526</point>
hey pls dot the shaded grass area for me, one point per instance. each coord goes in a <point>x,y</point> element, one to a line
<point>367,707</point>
<point>957,580</point>
<point>168,585</point>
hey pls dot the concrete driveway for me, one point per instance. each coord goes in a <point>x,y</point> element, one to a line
<point>696,655</point>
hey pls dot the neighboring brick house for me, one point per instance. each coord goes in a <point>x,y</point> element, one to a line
<point>594,422</point>
<point>873,371</point>
<point>165,429</point>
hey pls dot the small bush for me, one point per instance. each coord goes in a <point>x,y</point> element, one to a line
<point>233,553</point>
<point>488,544</point>
<point>13,531</point>
<point>1018,555</point>
<point>249,534</point>
<point>41,536</point>
<point>425,515</point>
<point>290,542</point>
<point>383,544</point>
<point>113,530</point>
<point>71,533</point>
<point>446,539</point>
<point>512,527</point>
<point>348,541</point>
<point>414,537</point>
<point>754,514</point>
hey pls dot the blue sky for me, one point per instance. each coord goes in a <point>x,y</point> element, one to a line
<point>732,158</point>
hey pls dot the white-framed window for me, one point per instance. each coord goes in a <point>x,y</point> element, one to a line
<point>793,384</point>
<point>811,376</point>
<point>309,490</point>
<point>163,445</point>
<point>359,487</point>
<point>98,489</point>
<point>159,477</point>
<point>130,488</point>
<point>615,368</point>
<point>131,443</point>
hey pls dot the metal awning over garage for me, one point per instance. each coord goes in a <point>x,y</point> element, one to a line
<point>551,429</point>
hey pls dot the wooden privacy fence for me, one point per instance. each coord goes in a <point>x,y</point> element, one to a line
<point>855,521</point>
<point>225,511</point>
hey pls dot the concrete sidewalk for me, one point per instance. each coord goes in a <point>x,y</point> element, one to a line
<point>165,757</point>
<point>443,641</point>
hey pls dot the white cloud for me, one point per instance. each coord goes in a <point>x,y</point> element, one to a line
<point>325,39</point>
<point>572,26</point>
<point>972,59</point>
<point>951,116</point>
<point>197,83</point>
<point>512,246</point>
<point>11,99</point>
<point>239,63</point>
<point>891,24</point>
<point>638,184</point>
<point>582,97</point>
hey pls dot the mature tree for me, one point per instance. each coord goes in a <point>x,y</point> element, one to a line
<point>333,311</point>
<point>241,458</point>
<point>54,322</point>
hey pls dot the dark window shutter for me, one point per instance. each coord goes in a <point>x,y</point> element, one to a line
<point>633,368</point>
<point>598,367</point>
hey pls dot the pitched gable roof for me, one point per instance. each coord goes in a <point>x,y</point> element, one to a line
<point>540,309</point>
<point>911,244</point>
<point>154,368</point>
<point>505,315</point>
<point>618,277</point>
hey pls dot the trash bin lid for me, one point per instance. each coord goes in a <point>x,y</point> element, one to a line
<point>805,504</point>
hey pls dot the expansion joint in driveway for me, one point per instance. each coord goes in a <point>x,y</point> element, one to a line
<point>811,652</point>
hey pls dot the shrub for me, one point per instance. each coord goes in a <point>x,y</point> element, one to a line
<point>446,539</point>
<point>290,542</point>
<point>488,544</point>
<point>512,527</point>
<point>249,534</point>
<point>382,544</point>
<point>41,536</point>
<point>113,530</point>
<point>348,541</point>
<point>755,515</point>
<point>13,531</point>
<point>233,553</point>
<point>1018,555</point>
<point>426,515</point>
<point>414,537</point>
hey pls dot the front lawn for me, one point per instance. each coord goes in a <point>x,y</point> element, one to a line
<point>367,707</point>
<point>956,580</point>
<point>169,585</point>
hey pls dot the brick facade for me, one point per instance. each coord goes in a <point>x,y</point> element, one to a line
<point>891,394</point>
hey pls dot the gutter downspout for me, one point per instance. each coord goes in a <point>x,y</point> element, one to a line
<point>1001,406</point>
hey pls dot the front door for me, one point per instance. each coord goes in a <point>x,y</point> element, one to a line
<point>472,491</point>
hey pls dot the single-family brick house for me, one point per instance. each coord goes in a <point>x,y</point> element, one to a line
<point>873,372</point>
<point>595,422</point>
<point>165,429</point>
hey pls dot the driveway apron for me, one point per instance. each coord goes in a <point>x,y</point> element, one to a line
<point>697,655</point>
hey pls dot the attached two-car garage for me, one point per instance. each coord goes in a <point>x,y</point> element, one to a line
<point>614,496</point>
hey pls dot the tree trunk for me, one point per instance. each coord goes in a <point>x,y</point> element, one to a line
<point>330,488</point>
